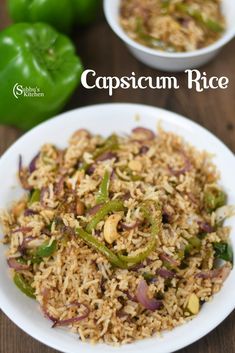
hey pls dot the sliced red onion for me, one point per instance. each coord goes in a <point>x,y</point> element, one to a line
<point>13,263</point>
<point>129,226</point>
<point>143,298</point>
<point>187,166</point>
<point>93,210</point>
<point>66,322</point>
<point>22,175</point>
<point>143,150</point>
<point>23,230</point>
<point>43,193</point>
<point>106,156</point>
<point>220,273</point>
<point>126,196</point>
<point>205,227</point>
<point>32,164</point>
<point>29,212</point>
<point>59,185</point>
<point>143,133</point>
<point>164,273</point>
<point>169,259</point>
<point>204,275</point>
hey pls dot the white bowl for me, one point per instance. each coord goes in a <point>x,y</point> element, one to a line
<point>171,61</point>
<point>105,119</point>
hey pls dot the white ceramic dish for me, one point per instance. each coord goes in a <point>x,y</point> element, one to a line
<point>104,119</point>
<point>171,61</point>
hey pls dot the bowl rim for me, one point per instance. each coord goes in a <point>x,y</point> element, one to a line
<point>116,27</point>
<point>182,121</point>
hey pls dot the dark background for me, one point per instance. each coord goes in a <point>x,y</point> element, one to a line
<point>102,51</point>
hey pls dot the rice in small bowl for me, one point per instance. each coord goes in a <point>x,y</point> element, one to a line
<point>172,35</point>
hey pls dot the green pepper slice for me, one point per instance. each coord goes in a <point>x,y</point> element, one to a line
<point>110,144</point>
<point>150,40</point>
<point>103,193</point>
<point>100,247</point>
<point>223,251</point>
<point>46,249</point>
<point>210,24</point>
<point>111,206</point>
<point>35,196</point>
<point>214,198</point>
<point>24,286</point>
<point>155,228</point>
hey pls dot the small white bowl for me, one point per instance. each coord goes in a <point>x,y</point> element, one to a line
<point>104,119</point>
<point>171,61</point>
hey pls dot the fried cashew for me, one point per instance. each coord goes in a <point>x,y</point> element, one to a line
<point>110,228</point>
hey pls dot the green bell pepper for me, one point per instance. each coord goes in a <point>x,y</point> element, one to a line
<point>86,11</point>
<point>59,14</point>
<point>35,56</point>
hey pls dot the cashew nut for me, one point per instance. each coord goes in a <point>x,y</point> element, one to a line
<point>136,166</point>
<point>110,228</point>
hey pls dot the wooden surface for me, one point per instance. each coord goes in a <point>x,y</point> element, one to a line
<point>101,50</point>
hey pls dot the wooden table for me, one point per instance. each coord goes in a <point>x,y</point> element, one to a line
<point>102,51</point>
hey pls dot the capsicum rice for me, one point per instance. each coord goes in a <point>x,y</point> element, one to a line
<point>173,25</point>
<point>119,238</point>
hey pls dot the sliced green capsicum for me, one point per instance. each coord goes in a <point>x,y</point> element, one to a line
<point>101,248</point>
<point>23,285</point>
<point>103,193</point>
